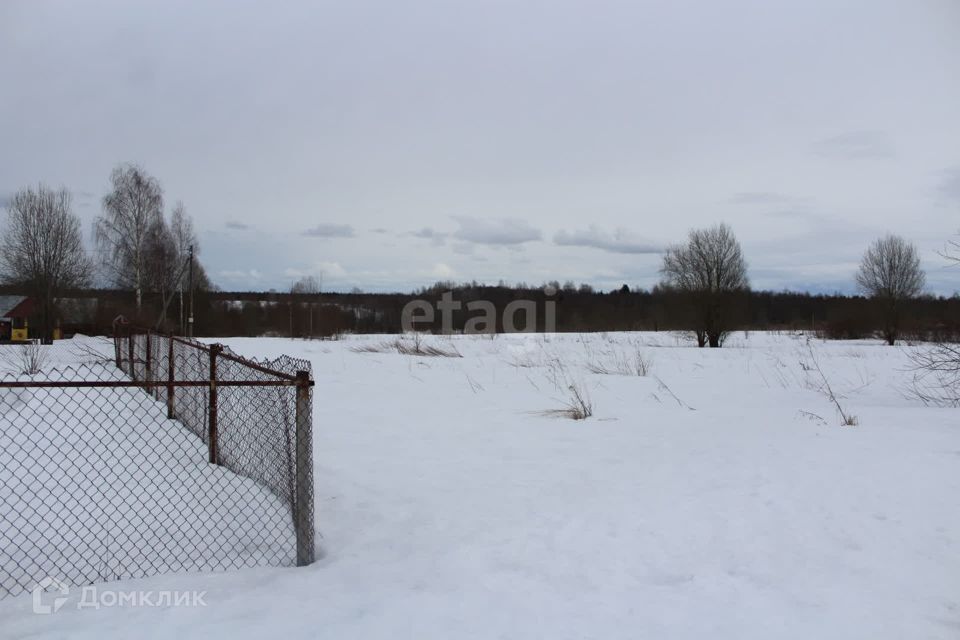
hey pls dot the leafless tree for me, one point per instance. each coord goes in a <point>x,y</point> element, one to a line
<point>890,273</point>
<point>306,285</point>
<point>42,248</point>
<point>131,212</point>
<point>711,270</point>
<point>185,243</point>
<point>172,264</point>
<point>936,380</point>
<point>952,251</point>
<point>309,286</point>
<point>181,228</point>
<point>162,262</point>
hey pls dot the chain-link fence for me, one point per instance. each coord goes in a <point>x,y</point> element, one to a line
<point>166,455</point>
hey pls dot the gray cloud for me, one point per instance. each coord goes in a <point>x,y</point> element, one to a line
<point>502,232</point>
<point>856,144</point>
<point>620,241</point>
<point>436,238</point>
<point>326,230</point>
<point>239,226</point>
<point>427,233</point>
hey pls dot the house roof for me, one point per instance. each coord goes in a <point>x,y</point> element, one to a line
<point>9,304</point>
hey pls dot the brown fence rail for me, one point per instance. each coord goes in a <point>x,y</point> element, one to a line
<point>171,455</point>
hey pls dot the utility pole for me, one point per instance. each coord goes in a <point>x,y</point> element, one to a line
<point>180,291</point>
<point>190,315</point>
<point>180,327</point>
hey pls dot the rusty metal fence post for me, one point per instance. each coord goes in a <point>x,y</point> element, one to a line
<point>171,377</point>
<point>215,349</point>
<point>303,512</point>
<point>148,364</point>
<point>131,341</point>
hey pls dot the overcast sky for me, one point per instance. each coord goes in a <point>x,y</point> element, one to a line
<point>390,144</point>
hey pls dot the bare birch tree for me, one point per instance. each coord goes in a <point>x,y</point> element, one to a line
<point>131,212</point>
<point>162,265</point>
<point>172,264</point>
<point>181,228</point>
<point>43,249</point>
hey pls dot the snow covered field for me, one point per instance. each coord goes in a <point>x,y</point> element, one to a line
<point>717,496</point>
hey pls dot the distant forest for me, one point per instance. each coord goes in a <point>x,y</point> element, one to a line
<point>578,309</point>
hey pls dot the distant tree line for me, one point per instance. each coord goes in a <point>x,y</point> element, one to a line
<point>578,309</point>
<point>704,290</point>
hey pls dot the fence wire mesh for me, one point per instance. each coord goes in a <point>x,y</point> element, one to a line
<point>166,455</point>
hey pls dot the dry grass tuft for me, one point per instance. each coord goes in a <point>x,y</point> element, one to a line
<point>576,400</point>
<point>846,419</point>
<point>409,346</point>
<point>619,362</point>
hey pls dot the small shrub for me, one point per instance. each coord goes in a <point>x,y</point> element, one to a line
<point>936,379</point>
<point>27,359</point>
